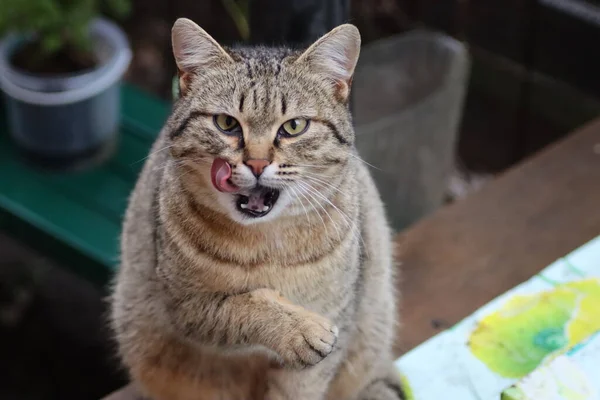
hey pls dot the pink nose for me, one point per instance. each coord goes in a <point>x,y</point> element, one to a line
<point>257,166</point>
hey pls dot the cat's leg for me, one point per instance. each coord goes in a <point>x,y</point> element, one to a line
<point>366,376</point>
<point>307,384</point>
<point>168,367</point>
<point>368,365</point>
<point>160,383</point>
<point>385,387</point>
<point>261,317</point>
<point>157,382</point>
<point>164,368</point>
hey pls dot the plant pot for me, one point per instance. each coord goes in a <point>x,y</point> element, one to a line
<point>62,121</point>
<point>408,99</point>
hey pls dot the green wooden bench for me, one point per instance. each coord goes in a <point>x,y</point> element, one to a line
<point>75,217</point>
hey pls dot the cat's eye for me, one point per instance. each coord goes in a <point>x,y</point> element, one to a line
<point>227,124</point>
<point>294,127</point>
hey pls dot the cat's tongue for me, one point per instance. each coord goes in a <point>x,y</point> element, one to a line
<point>220,173</point>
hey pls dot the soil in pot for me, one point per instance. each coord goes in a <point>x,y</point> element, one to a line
<point>29,58</point>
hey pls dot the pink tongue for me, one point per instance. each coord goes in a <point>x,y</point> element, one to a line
<point>220,173</point>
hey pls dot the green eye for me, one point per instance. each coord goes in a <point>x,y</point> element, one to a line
<point>294,127</point>
<point>226,123</point>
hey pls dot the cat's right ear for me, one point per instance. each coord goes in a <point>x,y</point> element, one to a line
<point>194,49</point>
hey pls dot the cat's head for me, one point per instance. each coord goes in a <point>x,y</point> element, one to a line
<point>267,131</point>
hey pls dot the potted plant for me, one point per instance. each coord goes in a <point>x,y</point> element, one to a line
<point>60,69</point>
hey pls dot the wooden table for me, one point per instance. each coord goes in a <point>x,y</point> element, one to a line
<point>469,252</point>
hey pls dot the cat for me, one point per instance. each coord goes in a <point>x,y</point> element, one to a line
<point>256,258</point>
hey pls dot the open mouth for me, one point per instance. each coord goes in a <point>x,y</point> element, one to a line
<point>258,203</point>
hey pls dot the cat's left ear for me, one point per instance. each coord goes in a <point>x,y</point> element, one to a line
<point>334,56</point>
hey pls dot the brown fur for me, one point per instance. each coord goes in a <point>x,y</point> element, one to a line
<point>298,304</point>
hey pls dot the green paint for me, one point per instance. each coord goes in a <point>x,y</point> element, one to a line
<point>514,340</point>
<point>527,329</point>
<point>76,217</point>
<point>547,280</point>
<point>550,339</point>
<point>573,269</point>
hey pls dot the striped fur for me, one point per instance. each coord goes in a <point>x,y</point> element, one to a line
<point>298,304</point>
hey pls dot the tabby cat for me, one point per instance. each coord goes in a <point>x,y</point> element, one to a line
<point>256,257</point>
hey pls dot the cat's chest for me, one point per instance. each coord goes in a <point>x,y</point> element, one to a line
<point>308,278</point>
<point>313,285</point>
<point>274,273</point>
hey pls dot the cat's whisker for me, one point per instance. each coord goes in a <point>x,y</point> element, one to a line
<point>196,159</point>
<point>152,153</point>
<point>318,180</point>
<point>300,201</point>
<point>363,161</point>
<point>314,201</point>
<point>178,163</point>
<point>300,190</point>
<point>346,218</point>
<point>319,174</point>
<point>165,165</point>
<point>186,172</point>
<point>312,166</point>
<point>325,198</point>
<point>309,190</point>
<point>180,176</point>
<point>314,190</point>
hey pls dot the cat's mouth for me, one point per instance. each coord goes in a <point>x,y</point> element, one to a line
<point>258,202</point>
<point>255,203</point>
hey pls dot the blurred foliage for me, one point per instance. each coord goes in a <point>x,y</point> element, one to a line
<point>57,24</point>
<point>239,11</point>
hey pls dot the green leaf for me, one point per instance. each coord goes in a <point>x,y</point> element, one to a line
<point>51,42</point>
<point>57,23</point>
<point>119,8</point>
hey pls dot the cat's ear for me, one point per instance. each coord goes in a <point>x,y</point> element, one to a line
<point>335,56</point>
<point>194,49</point>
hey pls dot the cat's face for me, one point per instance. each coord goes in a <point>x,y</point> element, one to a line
<point>267,130</point>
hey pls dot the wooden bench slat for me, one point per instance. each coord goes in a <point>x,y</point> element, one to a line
<point>27,196</point>
<point>80,212</point>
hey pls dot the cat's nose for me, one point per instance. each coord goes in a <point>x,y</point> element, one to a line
<point>257,166</point>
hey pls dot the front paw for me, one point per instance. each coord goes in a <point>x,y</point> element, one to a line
<point>309,340</point>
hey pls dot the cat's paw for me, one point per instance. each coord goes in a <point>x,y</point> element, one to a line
<point>309,341</point>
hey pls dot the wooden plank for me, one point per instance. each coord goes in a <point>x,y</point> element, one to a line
<point>470,252</point>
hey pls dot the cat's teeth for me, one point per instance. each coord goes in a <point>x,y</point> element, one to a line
<point>244,206</point>
<point>265,208</point>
